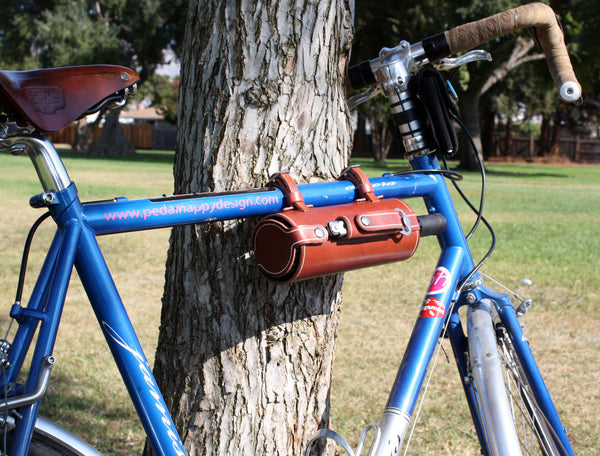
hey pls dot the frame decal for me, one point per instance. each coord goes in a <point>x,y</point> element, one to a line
<point>433,308</point>
<point>440,281</point>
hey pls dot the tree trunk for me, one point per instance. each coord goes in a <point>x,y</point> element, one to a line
<point>544,136</point>
<point>556,134</point>
<point>469,111</point>
<point>246,365</point>
<point>382,140</point>
<point>482,79</point>
<point>508,138</point>
<point>112,140</point>
<point>488,137</point>
<point>83,134</point>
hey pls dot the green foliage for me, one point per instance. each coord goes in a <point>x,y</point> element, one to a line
<point>75,32</point>
<point>70,35</point>
<point>162,90</point>
<point>581,23</point>
<point>16,33</point>
<point>529,129</point>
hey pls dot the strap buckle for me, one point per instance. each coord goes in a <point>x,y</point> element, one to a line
<point>360,180</point>
<point>284,182</point>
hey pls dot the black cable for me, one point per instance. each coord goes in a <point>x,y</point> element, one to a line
<point>452,175</point>
<point>485,257</point>
<point>25,258</point>
<point>478,212</point>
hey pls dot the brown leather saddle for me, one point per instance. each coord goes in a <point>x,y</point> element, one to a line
<point>50,99</point>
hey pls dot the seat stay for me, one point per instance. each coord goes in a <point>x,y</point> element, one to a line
<point>49,311</point>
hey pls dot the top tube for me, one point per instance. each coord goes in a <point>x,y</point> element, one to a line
<point>122,215</point>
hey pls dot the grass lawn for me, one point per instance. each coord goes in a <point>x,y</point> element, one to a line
<point>546,220</point>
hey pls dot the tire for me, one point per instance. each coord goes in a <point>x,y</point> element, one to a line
<point>49,439</point>
<point>46,446</point>
<point>513,420</point>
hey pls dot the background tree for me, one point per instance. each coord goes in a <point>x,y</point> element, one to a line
<point>132,33</point>
<point>162,90</point>
<point>17,34</point>
<point>247,364</point>
<point>78,33</point>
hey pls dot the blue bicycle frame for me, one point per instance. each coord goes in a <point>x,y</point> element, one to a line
<point>75,244</point>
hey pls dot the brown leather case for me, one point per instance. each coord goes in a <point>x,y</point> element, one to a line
<point>297,244</point>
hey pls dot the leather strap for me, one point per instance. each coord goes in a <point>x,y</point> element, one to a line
<point>360,180</point>
<point>394,221</point>
<point>293,196</point>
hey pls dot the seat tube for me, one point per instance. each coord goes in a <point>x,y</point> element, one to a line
<point>125,347</point>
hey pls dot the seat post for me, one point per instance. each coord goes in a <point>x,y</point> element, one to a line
<point>46,161</point>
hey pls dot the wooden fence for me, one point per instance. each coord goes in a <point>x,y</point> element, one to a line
<point>573,149</point>
<point>162,137</point>
<point>141,136</point>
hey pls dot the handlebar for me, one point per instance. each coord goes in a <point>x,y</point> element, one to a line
<point>468,36</point>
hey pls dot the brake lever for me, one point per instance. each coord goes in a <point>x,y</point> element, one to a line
<point>468,57</point>
<point>403,49</point>
<point>361,97</point>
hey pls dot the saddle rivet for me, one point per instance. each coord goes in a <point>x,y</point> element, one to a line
<point>124,76</point>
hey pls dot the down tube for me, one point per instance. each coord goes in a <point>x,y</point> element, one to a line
<point>126,349</point>
<point>419,351</point>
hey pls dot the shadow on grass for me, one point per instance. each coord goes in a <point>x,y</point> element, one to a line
<point>521,175</point>
<point>145,156</point>
<point>100,418</point>
<point>373,168</point>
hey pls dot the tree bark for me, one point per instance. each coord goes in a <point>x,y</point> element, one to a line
<point>112,140</point>
<point>557,123</point>
<point>246,365</point>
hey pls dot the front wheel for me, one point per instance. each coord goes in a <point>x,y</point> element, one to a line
<point>513,422</point>
<point>49,439</point>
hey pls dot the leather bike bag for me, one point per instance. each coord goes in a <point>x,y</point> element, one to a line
<point>298,244</point>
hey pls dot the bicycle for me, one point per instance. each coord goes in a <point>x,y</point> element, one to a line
<point>48,100</point>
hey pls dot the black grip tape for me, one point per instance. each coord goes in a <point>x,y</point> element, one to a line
<point>361,75</point>
<point>436,47</point>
